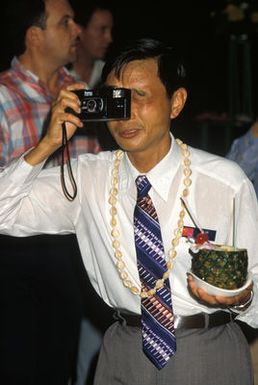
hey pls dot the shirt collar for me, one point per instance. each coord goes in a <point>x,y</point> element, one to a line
<point>64,76</point>
<point>24,73</point>
<point>160,176</point>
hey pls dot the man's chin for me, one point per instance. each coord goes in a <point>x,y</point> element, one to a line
<point>73,55</point>
<point>127,146</point>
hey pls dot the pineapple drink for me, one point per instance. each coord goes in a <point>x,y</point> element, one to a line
<point>220,265</point>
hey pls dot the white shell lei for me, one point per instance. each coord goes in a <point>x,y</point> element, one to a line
<point>115,234</point>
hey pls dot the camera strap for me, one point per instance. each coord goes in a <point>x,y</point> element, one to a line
<point>65,148</point>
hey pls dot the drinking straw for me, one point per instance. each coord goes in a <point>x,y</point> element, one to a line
<point>234,224</point>
<point>191,214</point>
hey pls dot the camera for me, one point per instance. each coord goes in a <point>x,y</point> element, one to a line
<point>103,104</point>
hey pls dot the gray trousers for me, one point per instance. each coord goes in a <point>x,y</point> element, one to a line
<point>215,356</point>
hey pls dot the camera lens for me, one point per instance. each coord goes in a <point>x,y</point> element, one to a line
<point>92,105</point>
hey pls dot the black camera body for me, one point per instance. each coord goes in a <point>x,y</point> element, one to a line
<point>104,104</point>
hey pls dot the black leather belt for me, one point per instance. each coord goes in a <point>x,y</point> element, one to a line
<point>196,321</point>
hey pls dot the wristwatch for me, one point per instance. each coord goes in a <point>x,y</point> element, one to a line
<point>243,306</point>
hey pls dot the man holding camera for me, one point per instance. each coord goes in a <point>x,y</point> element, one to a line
<point>129,219</point>
<point>39,291</point>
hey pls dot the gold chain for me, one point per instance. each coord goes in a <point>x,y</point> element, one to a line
<point>115,234</point>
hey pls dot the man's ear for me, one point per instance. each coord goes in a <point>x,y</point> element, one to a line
<point>33,36</point>
<point>178,100</point>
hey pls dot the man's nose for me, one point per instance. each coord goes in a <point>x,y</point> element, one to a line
<point>109,36</point>
<point>77,29</point>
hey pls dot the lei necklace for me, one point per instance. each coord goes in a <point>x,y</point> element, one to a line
<point>120,264</point>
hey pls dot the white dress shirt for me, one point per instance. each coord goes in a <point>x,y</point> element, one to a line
<point>32,202</point>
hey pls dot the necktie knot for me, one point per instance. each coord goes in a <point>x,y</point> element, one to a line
<point>143,186</point>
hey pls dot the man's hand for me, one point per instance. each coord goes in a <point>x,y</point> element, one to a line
<point>53,137</point>
<point>219,301</point>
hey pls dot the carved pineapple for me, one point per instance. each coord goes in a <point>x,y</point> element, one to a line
<point>222,266</point>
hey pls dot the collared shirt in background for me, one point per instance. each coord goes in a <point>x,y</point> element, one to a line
<point>95,78</point>
<point>244,151</point>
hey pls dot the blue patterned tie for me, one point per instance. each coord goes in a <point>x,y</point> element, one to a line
<point>159,342</point>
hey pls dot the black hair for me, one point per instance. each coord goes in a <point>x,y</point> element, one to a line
<point>84,10</point>
<point>19,16</point>
<point>171,70</point>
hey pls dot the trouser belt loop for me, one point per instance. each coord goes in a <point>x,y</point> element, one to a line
<point>118,316</point>
<point>206,320</point>
<point>232,316</point>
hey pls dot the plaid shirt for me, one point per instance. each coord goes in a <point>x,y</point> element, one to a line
<point>25,104</point>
